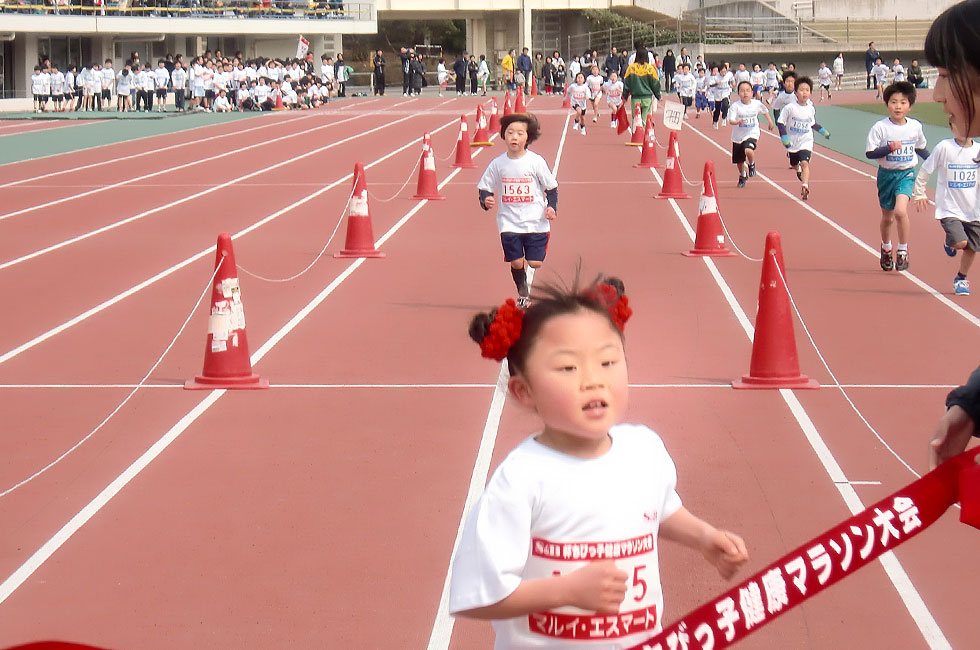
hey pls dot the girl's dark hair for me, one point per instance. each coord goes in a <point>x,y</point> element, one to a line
<point>641,55</point>
<point>530,121</point>
<point>953,43</point>
<point>549,301</point>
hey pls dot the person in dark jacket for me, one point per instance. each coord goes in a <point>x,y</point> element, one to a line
<point>548,75</point>
<point>915,75</point>
<point>524,66</point>
<point>406,56</point>
<point>379,73</point>
<point>670,67</point>
<point>869,62</point>
<point>340,74</point>
<point>459,69</point>
<point>417,70</point>
<point>612,63</point>
<point>472,68</point>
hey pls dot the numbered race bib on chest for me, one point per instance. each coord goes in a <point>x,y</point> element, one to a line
<point>961,176</point>
<point>905,153</point>
<point>518,190</point>
<point>800,125</point>
<point>638,613</point>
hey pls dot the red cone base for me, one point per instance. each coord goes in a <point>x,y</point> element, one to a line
<point>279,105</point>
<point>482,137</point>
<point>648,156</point>
<point>534,87</point>
<point>710,237</point>
<point>464,159</point>
<point>775,363</point>
<point>227,363</point>
<point>360,234</point>
<point>567,102</point>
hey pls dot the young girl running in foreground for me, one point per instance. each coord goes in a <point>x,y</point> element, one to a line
<point>594,81</point>
<point>528,198</point>
<point>569,525</point>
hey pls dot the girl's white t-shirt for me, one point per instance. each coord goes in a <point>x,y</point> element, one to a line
<point>824,74</point>
<point>799,121</point>
<point>685,82</point>
<point>614,92</point>
<point>909,134</point>
<point>545,512</point>
<point>594,82</point>
<point>519,186</point>
<point>956,182</point>
<point>750,113</point>
<point>839,65</point>
<point>579,94</point>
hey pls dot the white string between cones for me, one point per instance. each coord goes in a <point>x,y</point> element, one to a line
<point>714,190</point>
<point>399,191</point>
<point>833,377</point>
<point>128,397</point>
<point>316,259</point>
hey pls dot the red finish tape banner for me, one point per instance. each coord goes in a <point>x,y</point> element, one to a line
<point>832,556</point>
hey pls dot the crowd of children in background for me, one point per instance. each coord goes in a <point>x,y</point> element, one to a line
<point>210,82</point>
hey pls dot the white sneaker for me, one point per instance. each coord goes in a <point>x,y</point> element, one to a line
<point>575,125</point>
<point>724,122</point>
<point>715,125</point>
<point>583,131</point>
<point>613,124</point>
<point>595,118</point>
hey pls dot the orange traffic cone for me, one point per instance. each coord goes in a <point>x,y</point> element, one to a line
<point>622,119</point>
<point>428,188</point>
<point>507,108</point>
<point>463,157</point>
<point>519,106</point>
<point>481,138</point>
<point>636,140</point>
<point>534,87</point>
<point>648,156</point>
<point>673,187</point>
<point>226,359</point>
<point>494,125</point>
<point>567,103</point>
<point>360,236</point>
<point>279,105</point>
<point>710,237</point>
<point>775,363</point>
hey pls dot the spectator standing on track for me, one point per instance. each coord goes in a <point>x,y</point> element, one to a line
<point>894,141</point>
<point>38,89</point>
<point>341,75</point>
<point>528,199</point>
<point>955,161</point>
<point>161,80</point>
<point>459,71</point>
<point>642,84</point>
<point>406,56</point>
<point>108,81</point>
<point>418,75</point>
<point>328,74</point>
<point>473,69</point>
<point>611,64</point>
<point>70,88</point>
<point>379,73</point>
<point>797,122</point>
<point>670,69</point>
<point>587,480</point>
<point>869,62</point>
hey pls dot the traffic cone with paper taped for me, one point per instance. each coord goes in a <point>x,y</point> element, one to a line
<point>534,87</point>
<point>673,187</point>
<point>227,363</point>
<point>494,123</point>
<point>775,363</point>
<point>622,119</point>
<point>428,187</point>
<point>360,234</point>
<point>507,109</point>
<point>648,156</point>
<point>637,129</point>
<point>279,105</point>
<point>710,237</point>
<point>519,105</point>
<point>481,138</point>
<point>567,102</point>
<point>463,158</point>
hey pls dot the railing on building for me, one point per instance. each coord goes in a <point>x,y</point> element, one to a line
<point>232,9</point>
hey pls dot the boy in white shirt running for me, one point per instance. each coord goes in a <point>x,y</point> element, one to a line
<point>957,166</point>
<point>880,72</point>
<point>685,83</point>
<point>824,74</point>
<point>797,122</point>
<point>743,115</point>
<point>700,93</point>
<point>894,142</point>
<point>898,71</point>
<point>528,198</point>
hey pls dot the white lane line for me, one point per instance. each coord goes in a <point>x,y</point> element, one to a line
<point>170,170</point>
<point>166,206</point>
<point>913,601</point>
<point>264,124</point>
<point>176,267</point>
<point>442,626</point>
<point>39,557</point>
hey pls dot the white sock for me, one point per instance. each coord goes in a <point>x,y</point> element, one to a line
<point>886,246</point>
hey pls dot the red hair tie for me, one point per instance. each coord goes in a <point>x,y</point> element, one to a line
<point>503,332</point>
<point>615,303</point>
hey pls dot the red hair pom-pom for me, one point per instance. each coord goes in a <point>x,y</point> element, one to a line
<point>503,332</point>
<point>615,303</point>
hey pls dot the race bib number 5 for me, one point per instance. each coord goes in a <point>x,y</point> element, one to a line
<point>960,176</point>
<point>517,190</point>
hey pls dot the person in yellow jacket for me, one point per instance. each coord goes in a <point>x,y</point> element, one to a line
<point>641,83</point>
<point>508,64</point>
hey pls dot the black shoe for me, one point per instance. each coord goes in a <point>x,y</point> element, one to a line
<point>751,170</point>
<point>887,264</point>
<point>741,181</point>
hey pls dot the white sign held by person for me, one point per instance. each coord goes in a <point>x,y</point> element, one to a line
<point>673,115</point>
<point>302,48</point>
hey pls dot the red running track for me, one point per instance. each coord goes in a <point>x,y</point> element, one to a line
<point>323,512</point>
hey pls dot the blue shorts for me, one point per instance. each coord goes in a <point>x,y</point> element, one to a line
<point>891,183</point>
<point>701,100</point>
<point>757,89</point>
<point>531,246</point>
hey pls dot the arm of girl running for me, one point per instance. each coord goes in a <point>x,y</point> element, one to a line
<point>487,200</point>
<point>821,130</point>
<point>552,196</point>
<point>725,550</point>
<point>919,189</point>
<point>597,587</point>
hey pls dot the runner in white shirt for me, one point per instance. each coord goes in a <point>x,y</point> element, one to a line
<point>614,97</point>
<point>824,75</point>
<point>758,79</point>
<point>579,94</point>
<point>594,81</point>
<point>525,192</point>
<point>57,88</point>
<point>880,72</point>
<point>720,91</point>
<point>742,74</point>
<point>700,93</point>
<point>797,122</point>
<point>772,82</point>
<point>743,115</point>
<point>957,207</point>
<point>898,71</point>
<point>685,83</point>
